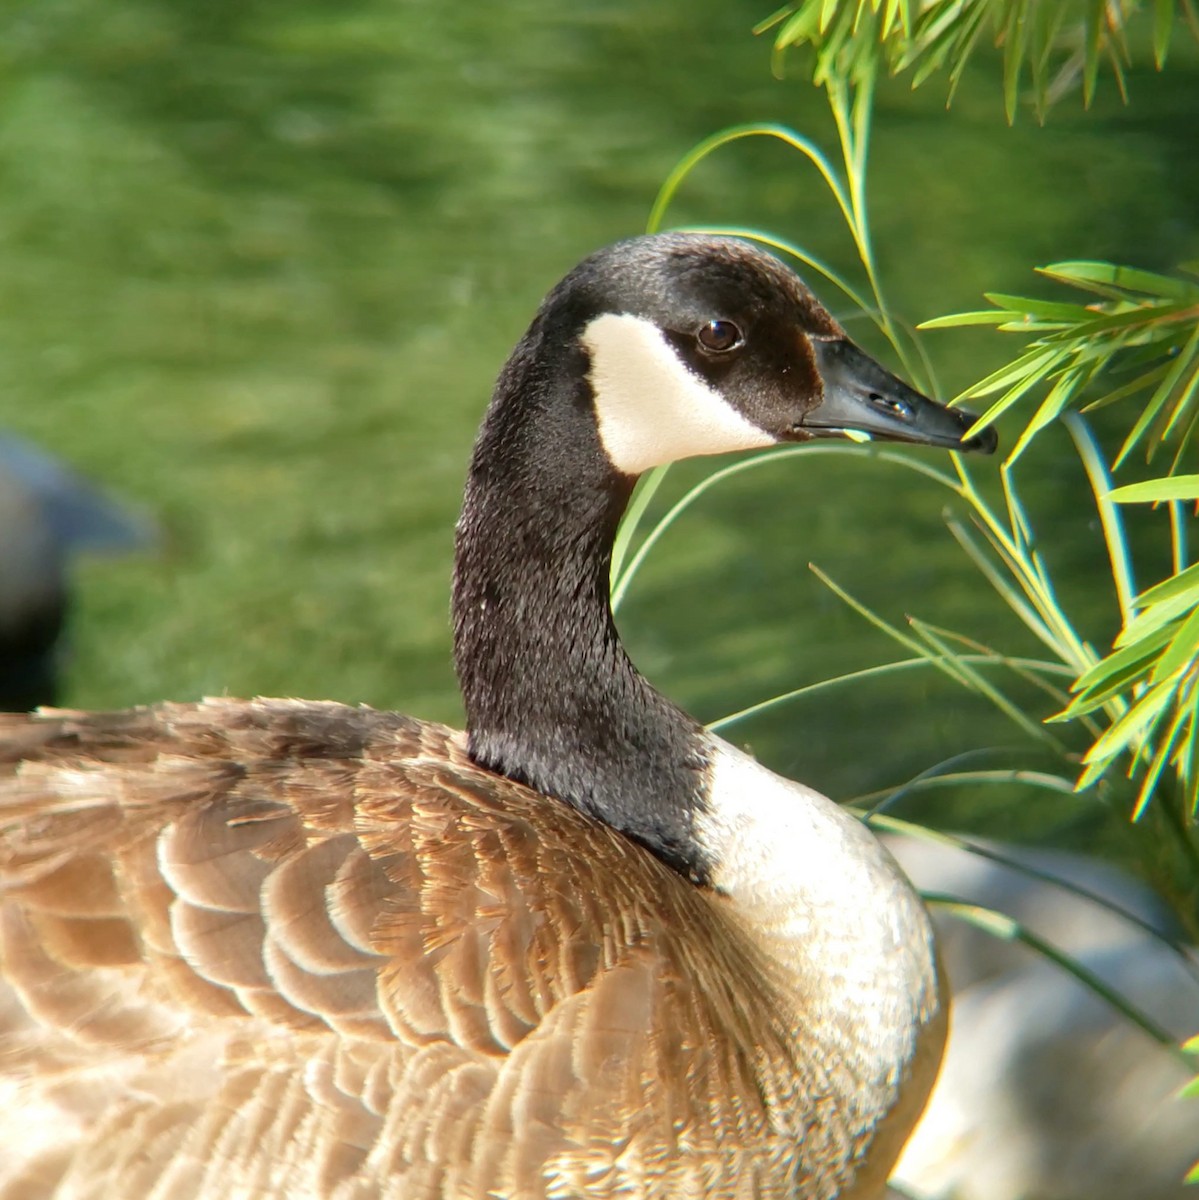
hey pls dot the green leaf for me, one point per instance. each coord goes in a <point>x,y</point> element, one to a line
<point>1044,310</point>
<point>1139,384</point>
<point>1117,57</point>
<point>901,11</point>
<point>1182,650</point>
<point>1115,675</point>
<point>1145,315</point>
<point>1162,395</point>
<point>1176,487</point>
<point>985,316</point>
<point>1001,585</point>
<point>1163,23</point>
<point>1182,402</point>
<point>771,21</point>
<point>975,682</point>
<point>1094,39</point>
<point>1132,725</point>
<point>1160,758</point>
<point>1154,617</point>
<point>1110,276</point>
<point>1062,392</point>
<point>1024,371</point>
<point>1013,59</point>
<point>1120,662</point>
<point>1175,585</point>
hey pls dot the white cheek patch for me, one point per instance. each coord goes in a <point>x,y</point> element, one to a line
<point>651,409</point>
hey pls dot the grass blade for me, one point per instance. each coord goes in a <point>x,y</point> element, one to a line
<point>1007,929</point>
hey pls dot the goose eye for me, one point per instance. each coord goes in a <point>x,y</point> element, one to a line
<point>719,337</point>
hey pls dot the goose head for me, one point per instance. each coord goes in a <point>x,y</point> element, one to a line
<point>701,345</point>
<point>651,350</point>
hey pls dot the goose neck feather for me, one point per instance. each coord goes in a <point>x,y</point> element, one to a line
<point>552,699</point>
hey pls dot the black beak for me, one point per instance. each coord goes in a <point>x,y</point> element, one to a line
<point>863,397</point>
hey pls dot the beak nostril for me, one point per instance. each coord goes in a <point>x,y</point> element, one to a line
<point>892,406</point>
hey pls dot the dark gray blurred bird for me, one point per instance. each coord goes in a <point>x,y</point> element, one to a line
<point>48,515</point>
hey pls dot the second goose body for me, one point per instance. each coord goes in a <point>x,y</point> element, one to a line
<point>281,949</point>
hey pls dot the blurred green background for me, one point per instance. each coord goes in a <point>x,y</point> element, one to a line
<point>261,262</point>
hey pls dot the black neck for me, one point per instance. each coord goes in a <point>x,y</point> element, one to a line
<point>552,699</point>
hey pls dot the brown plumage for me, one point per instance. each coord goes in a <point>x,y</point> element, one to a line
<point>279,949</point>
<point>270,931</point>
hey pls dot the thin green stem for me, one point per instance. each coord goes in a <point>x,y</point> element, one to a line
<point>1178,536</point>
<point>1109,515</point>
<point>709,145</point>
<point>852,106</point>
<point>646,488</point>
<point>956,842</point>
<point>1066,642</point>
<point>1007,929</point>
<point>624,580</point>
<point>902,664</point>
<point>775,243</point>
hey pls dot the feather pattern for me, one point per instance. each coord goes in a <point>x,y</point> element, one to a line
<point>243,943</point>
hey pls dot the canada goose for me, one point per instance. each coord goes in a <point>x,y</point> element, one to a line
<point>48,515</point>
<point>287,949</point>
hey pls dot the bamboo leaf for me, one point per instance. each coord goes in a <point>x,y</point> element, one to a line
<point>1023,372</point>
<point>983,317</point>
<point>1162,395</point>
<point>1182,650</point>
<point>1185,581</point>
<point>1140,383</point>
<point>1092,42</point>
<point>1160,758</point>
<point>1153,618</point>
<point>1045,310</point>
<point>1116,685</point>
<point>1132,724</point>
<point>1013,59</point>
<point>1087,273</point>
<point>1062,392</point>
<point>1113,672</point>
<point>1176,487</point>
<point>1163,23</point>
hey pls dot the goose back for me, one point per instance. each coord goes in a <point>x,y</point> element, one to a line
<point>244,943</point>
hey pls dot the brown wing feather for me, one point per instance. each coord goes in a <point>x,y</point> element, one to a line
<point>276,948</point>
